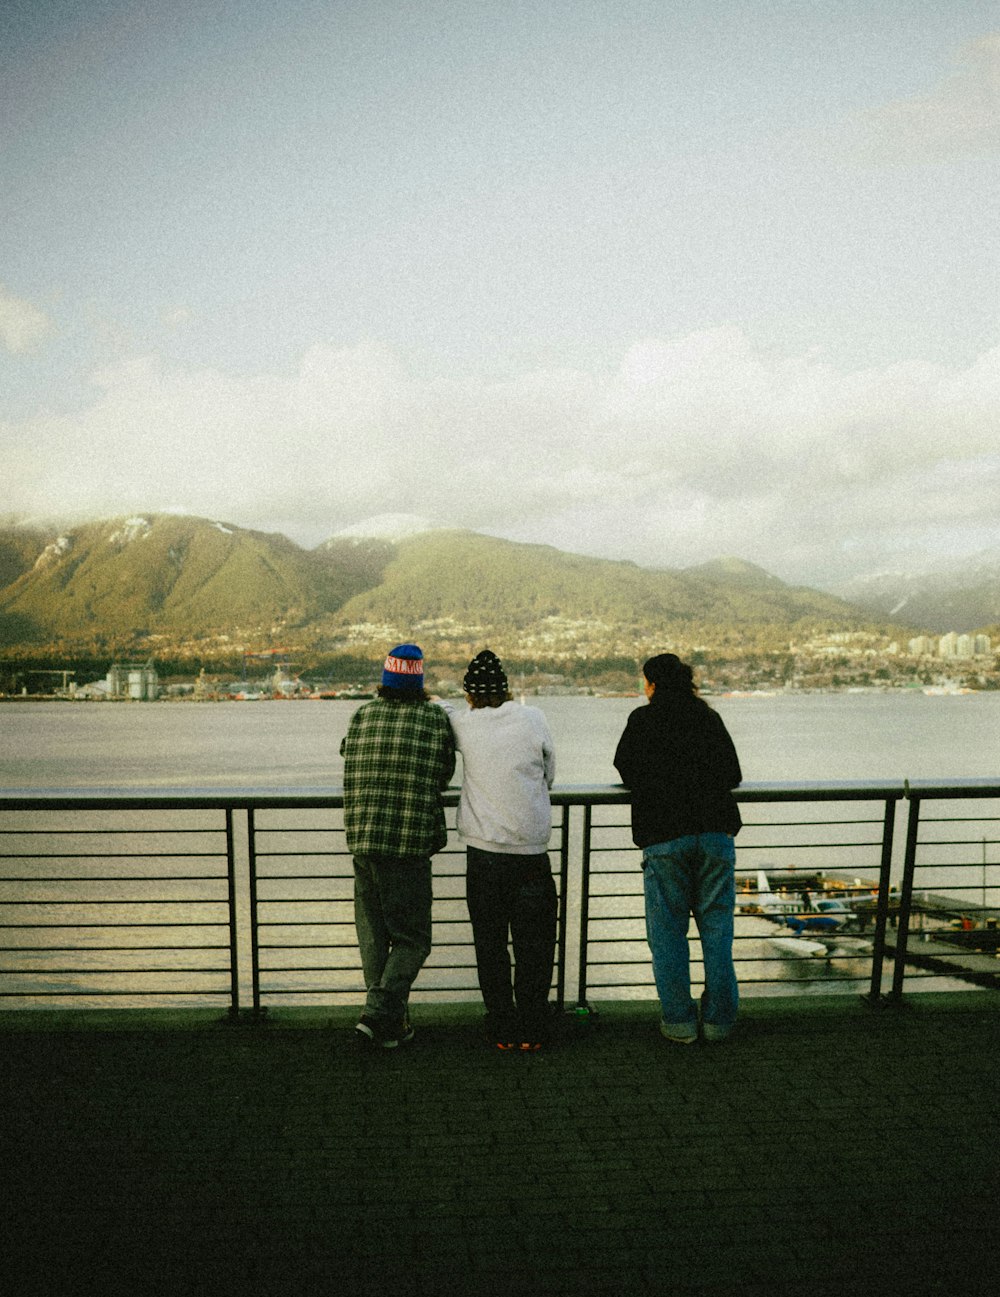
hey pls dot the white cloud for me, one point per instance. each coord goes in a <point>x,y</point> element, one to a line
<point>689,448</point>
<point>176,317</point>
<point>23,326</point>
<point>958,117</point>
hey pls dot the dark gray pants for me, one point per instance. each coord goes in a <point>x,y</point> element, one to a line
<point>513,897</point>
<point>392,913</point>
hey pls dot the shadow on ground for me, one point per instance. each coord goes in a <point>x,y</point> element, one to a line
<point>826,1149</point>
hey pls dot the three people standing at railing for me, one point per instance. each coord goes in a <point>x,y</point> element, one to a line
<point>675,756</point>
<point>678,760</point>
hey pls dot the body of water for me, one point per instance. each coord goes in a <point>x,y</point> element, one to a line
<point>811,737</point>
<point>838,736</point>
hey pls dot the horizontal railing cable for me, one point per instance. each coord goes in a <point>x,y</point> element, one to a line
<point>278,881</point>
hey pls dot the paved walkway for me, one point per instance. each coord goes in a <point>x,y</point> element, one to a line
<point>828,1149</point>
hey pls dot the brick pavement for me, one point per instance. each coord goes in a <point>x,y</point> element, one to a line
<point>827,1149</point>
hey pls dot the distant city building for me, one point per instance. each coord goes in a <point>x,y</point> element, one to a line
<point>921,646</point>
<point>203,686</point>
<point>133,680</point>
<point>954,645</point>
<point>96,692</point>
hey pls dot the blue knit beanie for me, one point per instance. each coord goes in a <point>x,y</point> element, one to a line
<point>404,668</point>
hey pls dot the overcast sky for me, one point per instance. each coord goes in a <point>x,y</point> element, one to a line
<point>648,279</point>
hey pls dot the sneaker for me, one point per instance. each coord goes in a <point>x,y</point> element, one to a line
<point>714,1035</point>
<point>536,1029</point>
<point>678,1035</point>
<point>366,1030</point>
<point>501,1033</point>
<point>374,1033</point>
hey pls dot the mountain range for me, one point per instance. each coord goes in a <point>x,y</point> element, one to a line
<point>963,597</point>
<point>125,580</point>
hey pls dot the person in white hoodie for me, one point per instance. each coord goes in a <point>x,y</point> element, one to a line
<point>505,821</point>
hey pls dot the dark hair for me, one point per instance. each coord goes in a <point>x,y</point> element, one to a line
<point>392,695</point>
<point>667,671</point>
<point>487,700</point>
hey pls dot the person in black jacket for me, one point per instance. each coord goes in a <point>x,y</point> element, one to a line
<point>680,764</point>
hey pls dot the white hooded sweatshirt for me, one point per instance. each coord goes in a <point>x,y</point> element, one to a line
<point>509,763</point>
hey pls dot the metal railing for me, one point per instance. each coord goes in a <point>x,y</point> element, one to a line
<point>301,907</point>
<point>108,896</point>
<point>948,834</point>
<point>244,897</point>
<point>851,825</point>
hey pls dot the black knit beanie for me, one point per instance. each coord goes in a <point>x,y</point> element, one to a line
<point>485,677</point>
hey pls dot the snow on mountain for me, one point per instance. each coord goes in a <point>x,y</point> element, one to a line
<point>134,528</point>
<point>959,595</point>
<point>392,527</point>
<point>53,553</point>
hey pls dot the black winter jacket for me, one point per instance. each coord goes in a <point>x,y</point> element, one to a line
<point>680,763</point>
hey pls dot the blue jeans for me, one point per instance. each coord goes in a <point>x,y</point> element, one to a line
<point>692,875</point>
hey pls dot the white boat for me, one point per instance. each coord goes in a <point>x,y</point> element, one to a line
<point>798,947</point>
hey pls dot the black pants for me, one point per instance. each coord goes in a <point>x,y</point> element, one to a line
<point>513,895</point>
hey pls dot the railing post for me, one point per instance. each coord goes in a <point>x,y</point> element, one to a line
<point>882,905</point>
<point>581,994</point>
<point>254,935</point>
<point>563,898</point>
<point>234,965</point>
<point>906,896</point>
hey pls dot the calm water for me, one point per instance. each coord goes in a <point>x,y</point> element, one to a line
<point>265,744</point>
<point>815,737</point>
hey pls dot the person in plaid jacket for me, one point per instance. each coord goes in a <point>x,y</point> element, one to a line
<point>399,754</point>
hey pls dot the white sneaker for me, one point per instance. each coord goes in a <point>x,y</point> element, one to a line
<point>679,1035</point>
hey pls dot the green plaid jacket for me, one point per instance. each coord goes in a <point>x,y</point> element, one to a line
<point>397,758</point>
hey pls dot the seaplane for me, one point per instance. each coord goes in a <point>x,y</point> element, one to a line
<point>825,917</point>
<point>767,903</point>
